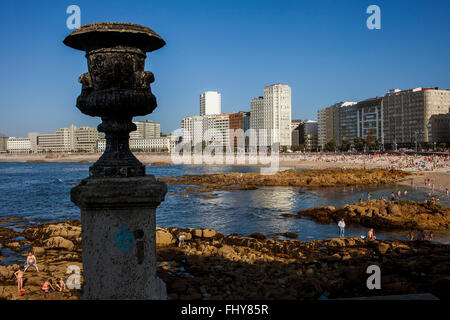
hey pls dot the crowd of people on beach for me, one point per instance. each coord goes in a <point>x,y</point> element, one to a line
<point>48,284</point>
<point>405,162</point>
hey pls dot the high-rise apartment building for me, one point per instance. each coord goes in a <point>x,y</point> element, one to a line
<point>220,125</point>
<point>346,125</point>
<point>239,120</point>
<point>329,123</point>
<point>192,130</point>
<point>208,129</point>
<point>210,103</point>
<point>361,120</point>
<point>308,134</point>
<point>369,119</point>
<point>407,113</point>
<point>257,119</point>
<point>272,113</point>
<point>295,132</point>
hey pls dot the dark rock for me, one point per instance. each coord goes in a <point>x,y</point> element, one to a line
<point>258,236</point>
<point>290,235</point>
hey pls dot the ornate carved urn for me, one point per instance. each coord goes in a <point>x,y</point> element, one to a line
<point>116,88</point>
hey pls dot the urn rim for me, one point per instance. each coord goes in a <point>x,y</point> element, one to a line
<point>110,34</point>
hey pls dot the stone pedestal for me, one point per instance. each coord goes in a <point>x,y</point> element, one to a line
<point>118,237</point>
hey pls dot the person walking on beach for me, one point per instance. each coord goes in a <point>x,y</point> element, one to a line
<point>341,226</point>
<point>31,262</point>
<point>19,276</point>
<point>392,196</point>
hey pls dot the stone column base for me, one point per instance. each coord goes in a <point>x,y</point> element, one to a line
<point>118,217</point>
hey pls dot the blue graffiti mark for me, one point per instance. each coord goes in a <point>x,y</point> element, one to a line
<point>124,239</point>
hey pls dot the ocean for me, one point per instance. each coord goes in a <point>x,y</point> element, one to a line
<point>40,192</point>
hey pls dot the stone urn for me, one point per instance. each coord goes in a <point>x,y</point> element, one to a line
<point>116,88</point>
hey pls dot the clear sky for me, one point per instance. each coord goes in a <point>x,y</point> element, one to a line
<point>322,49</point>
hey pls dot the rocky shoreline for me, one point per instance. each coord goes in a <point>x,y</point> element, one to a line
<point>383,214</point>
<point>294,178</point>
<point>210,265</point>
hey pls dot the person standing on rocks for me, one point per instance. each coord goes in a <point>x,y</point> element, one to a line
<point>341,226</point>
<point>181,240</point>
<point>19,276</point>
<point>31,262</point>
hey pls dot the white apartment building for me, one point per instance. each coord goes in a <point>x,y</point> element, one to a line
<point>219,125</point>
<point>71,139</point>
<point>272,112</point>
<point>210,103</point>
<point>155,144</point>
<point>407,113</point>
<point>63,140</point>
<point>146,130</point>
<point>86,139</point>
<point>33,140</point>
<point>211,129</point>
<point>18,145</point>
<point>192,130</point>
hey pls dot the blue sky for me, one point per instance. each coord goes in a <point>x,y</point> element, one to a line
<point>322,49</point>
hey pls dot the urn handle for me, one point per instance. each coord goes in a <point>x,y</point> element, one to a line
<point>86,80</point>
<point>147,77</point>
